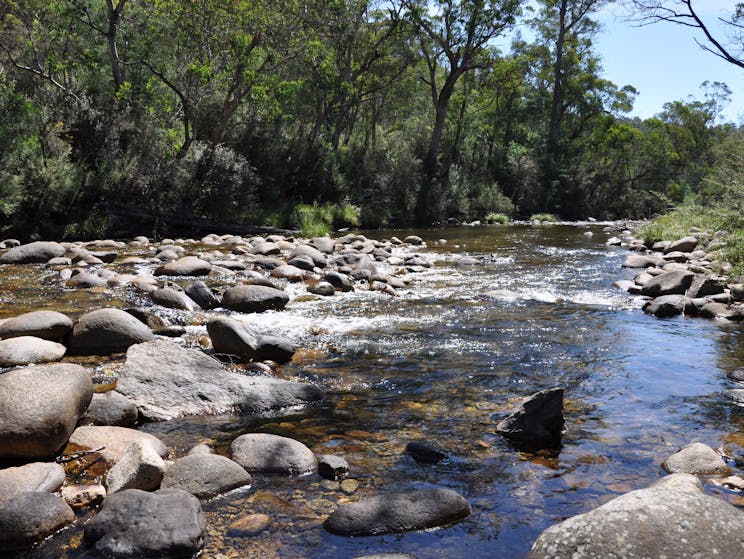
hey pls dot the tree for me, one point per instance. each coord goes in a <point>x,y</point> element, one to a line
<point>682,12</point>
<point>452,38</point>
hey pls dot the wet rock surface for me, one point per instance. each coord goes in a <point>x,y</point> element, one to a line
<point>27,518</point>
<point>271,454</point>
<point>205,475</point>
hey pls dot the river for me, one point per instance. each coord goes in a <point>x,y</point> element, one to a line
<point>443,363</point>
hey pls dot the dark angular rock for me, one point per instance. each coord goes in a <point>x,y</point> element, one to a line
<point>27,518</point>
<point>669,283</point>
<point>273,348</point>
<point>232,337</point>
<point>111,408</point>
<point>254,298</point>
<point>667,305</point>
<point>398,512</point>
<point>538,423</point>
<point>332,467</point>
<point>422,452</point>
<point>202,295</point>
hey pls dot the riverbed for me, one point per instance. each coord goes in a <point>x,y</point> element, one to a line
<point>442,363</point>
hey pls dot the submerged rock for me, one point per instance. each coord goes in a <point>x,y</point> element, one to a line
<point>205,475</point>
<point>39,408</point>
<point>398,512</point>
<point>672,518</point>
<point>538,423</point>
<point>135,523</point>
<point>424,453</point>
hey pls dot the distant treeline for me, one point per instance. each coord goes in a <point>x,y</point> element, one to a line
<point>380,113</point>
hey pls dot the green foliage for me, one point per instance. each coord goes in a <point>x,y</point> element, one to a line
<point>497,218</point>
<point>544,218</point>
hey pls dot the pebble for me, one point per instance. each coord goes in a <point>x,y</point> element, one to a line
<point>349,486</point>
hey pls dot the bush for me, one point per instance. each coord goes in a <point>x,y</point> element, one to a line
<point>497,218</point>
<point>545,218</point>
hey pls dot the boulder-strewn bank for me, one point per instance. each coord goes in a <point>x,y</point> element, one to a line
<point>683,276</point>
<point>150,495</point>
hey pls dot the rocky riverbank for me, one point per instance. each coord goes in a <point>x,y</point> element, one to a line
<point>57,423</point>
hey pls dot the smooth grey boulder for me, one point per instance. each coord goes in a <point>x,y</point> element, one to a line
<point>538,423</point>
<point>339,281</point>
<point>289,273</point>
<point>49,325</point>
<point>106,331</point>
<point>398,512</point>
<point>165,381</point>
<point>642,261</point>
<point>704,286</point>
<point>203,295</point>
<point>111,408</point>
<point>668,283</point>
<point>254,298</point>
<point>112,442</point>
<point>322,288</point>
<point>667,305</point>
<point>135,523</point>
<point>186,266</point>
<point>326,245</point>
<point>697,459</point>
<point>173,299</point>
<point>720,310</point>
<point>39,408</point>
<point>31,253</point>
<point>27,518</point>
<point>140,467</point>
<point>45,477</point>
<point>316,255</point>
<point>273,348</point>
<point>85,280</point>
<point>232,337</point>
<point>263,453</point>
<point>25,350</point>
<point>671,518</point>
<point>205,475</point>
<point>685,244</point>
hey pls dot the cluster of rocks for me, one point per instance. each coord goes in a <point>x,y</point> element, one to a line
<point>150,503</point>
<point>682,277</point>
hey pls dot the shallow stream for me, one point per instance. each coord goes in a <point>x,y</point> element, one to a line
<point>443,363</point>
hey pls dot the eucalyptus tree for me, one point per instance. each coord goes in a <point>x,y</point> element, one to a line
<point>452,38</point>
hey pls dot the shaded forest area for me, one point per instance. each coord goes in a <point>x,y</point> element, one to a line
<point>123,117</point>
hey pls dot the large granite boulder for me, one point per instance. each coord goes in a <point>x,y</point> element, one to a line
<point>25,350</point>
<point>696,458</point>
<point>46,477</point>
<point>232,337</point>
<point>173,299</point>
<point>205,475</point>
<point>685,244</point>
<point>273,348</point>
<point>263,453</point>
<point>671,518</point>
<point>538,423</point>
<point>27,518</point>
<point>31,253</point>
<point>668,283</point>
<point>141,467</point>
<point>106,331</point>
<point>135,523</point>
<point>49,325</point>
<point>111,408</point>
<point>254,298</point>
<point>165,380</point>
<point>39,408</point>
<point>398,512</point>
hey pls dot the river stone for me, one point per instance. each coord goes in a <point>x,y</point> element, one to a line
<point>83,496</point>
<point>289,273</point>
<point>165,381</point>
<point>186,266</point>
<point>669,283</point>
<point>45,477</point>
<point>315,255</point>
<point>26,518</point>
<point>703,286</point>
<point>249,525</point>
<point>85,280</point>
<point>263,453</point>
<point>273,348</point>
<point>173,299</point>
<point>303,263</point>
<point>205,475</point>
<point>202,295</point>
<point>538,423</point>
<point>719,310</point>
<point>685,244</point>
<point>737,374</point>
<point>232,337</point>
<point>671,518</point>
<point>135,523</point>
<point>39,251</point>
<point>200,449</point>
<point>322,288</point>
<point>265,248</point>
<point>111,408</point>
<point>254,298</point>
<point>696,458</point>
<point>106,331</point>
<point>667,305</point>
<point>24,350</point>
<point>642,261</point>
<point>39,408</point>
<point>332,467</point>
<point>49,325</point>
<point>398,512</point>
<point>326,245</point>
<point>737,291</point>
<point>140,467</point>
<point>113,442</point>
<point>339,281</point>
<point>424,453</point>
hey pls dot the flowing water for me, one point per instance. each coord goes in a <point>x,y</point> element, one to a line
<point>443,363</point>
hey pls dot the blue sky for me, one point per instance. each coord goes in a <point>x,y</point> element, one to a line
<point>663,62</point>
